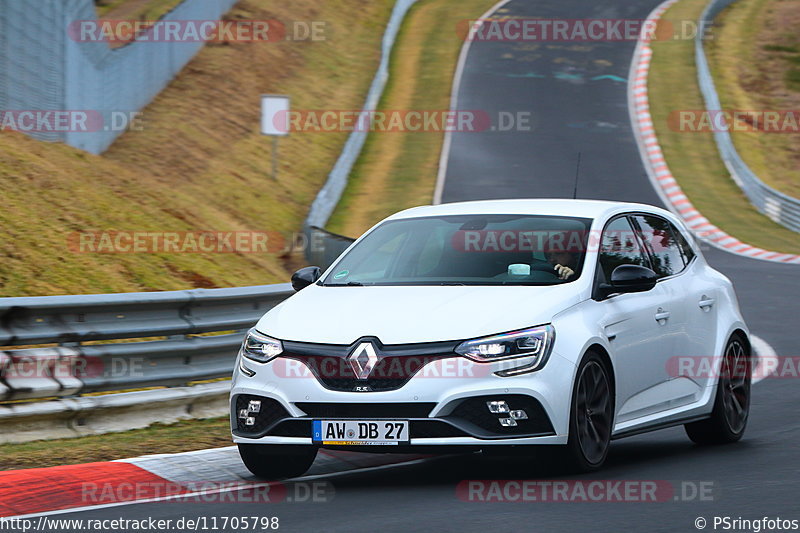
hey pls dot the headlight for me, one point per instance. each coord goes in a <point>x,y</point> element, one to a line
<point>260,348</point>
<point>535,343</point>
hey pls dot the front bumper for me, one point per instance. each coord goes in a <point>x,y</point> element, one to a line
<point>445,403</point>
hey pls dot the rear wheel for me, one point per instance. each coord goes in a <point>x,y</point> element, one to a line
<point>732,402</point>
<point>591,416</point>
<point>277,461</point>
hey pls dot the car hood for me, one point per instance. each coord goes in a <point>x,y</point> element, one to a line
<point>404,315</point>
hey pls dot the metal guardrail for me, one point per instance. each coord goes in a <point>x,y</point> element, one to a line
<point>77,364</point>
<point>330,193</point>
<point>778,206</point>
<point>327,246</point>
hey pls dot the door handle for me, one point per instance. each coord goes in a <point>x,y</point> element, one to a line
<point>706,302</point>
<point>661,315</point>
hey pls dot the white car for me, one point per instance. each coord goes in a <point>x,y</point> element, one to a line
<point>496,324</point>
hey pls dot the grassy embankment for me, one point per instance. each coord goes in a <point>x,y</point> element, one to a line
<point>692,156</point>
<point>755,54</point>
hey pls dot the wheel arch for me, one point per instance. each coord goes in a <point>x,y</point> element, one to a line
<point>606,357</point>
<point>745,337</point>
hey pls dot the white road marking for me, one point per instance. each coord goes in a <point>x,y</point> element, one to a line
<point>217,491</point>
<point>764,352</point>
<point>462,60</point>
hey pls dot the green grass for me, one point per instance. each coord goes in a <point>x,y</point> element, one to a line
<point>693,157</point>
<point>199,164</point>
<point>792,78</point>
<point>397,170</point>
<point>780,48</point>
<point>160,438</point>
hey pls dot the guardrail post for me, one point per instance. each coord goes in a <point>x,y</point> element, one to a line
<point>66,369</point>
<point>5,360</point>
<point>30,373</point>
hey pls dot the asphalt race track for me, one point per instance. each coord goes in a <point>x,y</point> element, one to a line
<point>576,93</point>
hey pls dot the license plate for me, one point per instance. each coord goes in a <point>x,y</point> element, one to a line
<point>359,432</point>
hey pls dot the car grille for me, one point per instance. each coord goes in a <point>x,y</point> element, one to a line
<point>396,364</point>
<point>366,410</point>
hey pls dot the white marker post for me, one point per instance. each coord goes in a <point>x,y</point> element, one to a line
<point>274,122</point>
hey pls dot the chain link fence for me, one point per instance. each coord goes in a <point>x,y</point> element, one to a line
<point>45,68</point>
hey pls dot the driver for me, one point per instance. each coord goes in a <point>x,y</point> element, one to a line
<point>564,262</point>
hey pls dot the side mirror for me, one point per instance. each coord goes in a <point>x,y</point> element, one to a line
<point>305,277</point>
<point>630,278</point>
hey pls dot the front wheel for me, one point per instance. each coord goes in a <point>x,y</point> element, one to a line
<point>732,402</point>
<point>591,416</point>
<point>277,461</point>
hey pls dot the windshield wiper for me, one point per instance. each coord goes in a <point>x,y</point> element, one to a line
<point>348,284</point>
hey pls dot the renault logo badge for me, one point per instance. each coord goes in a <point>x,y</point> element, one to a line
<point>363,360</point>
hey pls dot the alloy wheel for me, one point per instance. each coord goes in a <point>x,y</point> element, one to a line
<point>593,412</point>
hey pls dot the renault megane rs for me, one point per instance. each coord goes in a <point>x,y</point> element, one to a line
<point>496,324</point>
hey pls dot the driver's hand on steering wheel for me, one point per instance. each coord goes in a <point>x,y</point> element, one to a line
<point>563,271</point>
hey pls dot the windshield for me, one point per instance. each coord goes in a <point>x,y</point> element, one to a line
<point>467,250</point>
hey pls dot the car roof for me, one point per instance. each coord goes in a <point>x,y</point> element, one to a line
<point>595,209</point>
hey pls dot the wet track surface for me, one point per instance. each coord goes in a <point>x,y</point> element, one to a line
<point>577,95</point>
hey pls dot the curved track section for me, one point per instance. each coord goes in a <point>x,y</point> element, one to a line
<point>576,93</point>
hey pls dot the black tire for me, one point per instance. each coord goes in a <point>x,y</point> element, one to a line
<point>732,401</point>
<point>277,461</point>
<point>591,416</point>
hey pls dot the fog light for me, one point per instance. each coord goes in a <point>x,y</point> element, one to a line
<point>255,406</point>
<point>243,414</point>
<point>251,421</point>
<point>507,422</point>
<point>498,406</point>
<point>518,415</point>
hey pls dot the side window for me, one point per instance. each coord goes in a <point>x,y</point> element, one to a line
<point>658,236</point>
<point>686,248</point>
<point>619,246</point>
